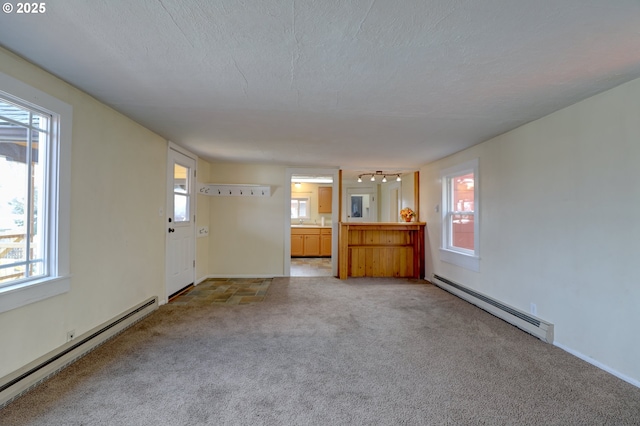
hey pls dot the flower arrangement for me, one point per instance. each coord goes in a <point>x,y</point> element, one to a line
<point>407,214</point>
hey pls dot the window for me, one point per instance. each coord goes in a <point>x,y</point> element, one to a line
<point>300,208</point>
<point>460,224</point>
<point>34,194</point>
<point>181,193</point>
<point>24,142</point>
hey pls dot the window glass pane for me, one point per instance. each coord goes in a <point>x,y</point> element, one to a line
<point>180,176</point>
<point>180,208</point>
<point>181,193</point>
<point>41,122</point>
<point>38,217</point>
<point>299,208</point>
<point>13,199</point>
<point>37,268</point>
<point>463,193</point>
<point>462,229</point>
<point>14,112</point>
<point>13,141</point>
<point>462,200</point>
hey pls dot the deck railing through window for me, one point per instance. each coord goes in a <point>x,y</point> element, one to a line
<point>13,259</point>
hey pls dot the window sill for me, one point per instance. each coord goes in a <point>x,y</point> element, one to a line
<point>460,259</point>
<point>22,294</point>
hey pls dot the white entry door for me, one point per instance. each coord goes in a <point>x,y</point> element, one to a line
<point>180,221</point>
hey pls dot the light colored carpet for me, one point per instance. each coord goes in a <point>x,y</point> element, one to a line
<point>382,352</point>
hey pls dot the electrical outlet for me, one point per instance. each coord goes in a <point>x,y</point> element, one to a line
<point>533,309</point>
<point>71,335</point>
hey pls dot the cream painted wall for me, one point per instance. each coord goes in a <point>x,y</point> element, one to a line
<point>117,235</point>
<point>202,220</point>
<point>558,227</point>
<point>246,234</point>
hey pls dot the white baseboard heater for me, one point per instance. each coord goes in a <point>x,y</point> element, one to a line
<point>17,383</point>
<point>524,321</point>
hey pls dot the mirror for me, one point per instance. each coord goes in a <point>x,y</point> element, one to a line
<point>377,201</point>
<point>361,205</point>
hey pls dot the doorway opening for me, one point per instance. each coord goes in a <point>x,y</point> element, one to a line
<point>312,223</point>
<point>311,267</point>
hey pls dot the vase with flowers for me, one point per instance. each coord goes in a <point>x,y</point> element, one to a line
<point>407,214</point>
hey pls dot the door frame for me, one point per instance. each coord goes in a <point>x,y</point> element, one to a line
<point>335,213</point>
<point>168,211</point>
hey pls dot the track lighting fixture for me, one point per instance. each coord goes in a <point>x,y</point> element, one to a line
<point>380,173</point>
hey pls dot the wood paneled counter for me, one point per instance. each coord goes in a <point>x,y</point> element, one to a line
<point>381,250</point>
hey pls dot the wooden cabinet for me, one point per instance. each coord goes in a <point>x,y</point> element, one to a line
<point>325,242</point>
<point>310,242</point>
<point>297,244</point>
<point>325,195</point>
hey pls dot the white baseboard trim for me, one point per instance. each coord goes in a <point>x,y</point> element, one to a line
<point>598,364</point>
<point>242,276</point>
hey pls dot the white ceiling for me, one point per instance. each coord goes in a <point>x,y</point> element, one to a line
<point>361,84</point>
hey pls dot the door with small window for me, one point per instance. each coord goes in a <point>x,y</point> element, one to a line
<point>180,221</point>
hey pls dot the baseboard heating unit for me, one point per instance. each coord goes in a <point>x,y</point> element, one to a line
<point>34,373</point>
<point>524,321</point>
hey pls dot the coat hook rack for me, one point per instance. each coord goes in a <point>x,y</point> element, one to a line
<point>234,190</point>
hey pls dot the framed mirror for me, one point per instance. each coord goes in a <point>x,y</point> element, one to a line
<point>377,201</point>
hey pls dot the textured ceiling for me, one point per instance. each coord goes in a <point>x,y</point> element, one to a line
<point>368,84</point>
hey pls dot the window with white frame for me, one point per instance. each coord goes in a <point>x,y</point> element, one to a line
<point>460,224</point>
<point>25,135</point>
<point>300,208</point>
<point>34,194</point>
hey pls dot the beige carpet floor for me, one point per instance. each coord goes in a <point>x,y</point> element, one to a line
<point>319,351</point>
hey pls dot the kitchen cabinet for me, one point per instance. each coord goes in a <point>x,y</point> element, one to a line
<point>310,242</point>
<point>325,195</point>
<point>325,242</point>
<point>297,244</point>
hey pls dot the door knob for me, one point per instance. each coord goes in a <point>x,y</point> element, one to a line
<point>172,230</point>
